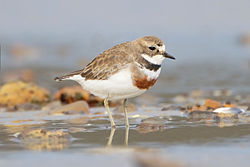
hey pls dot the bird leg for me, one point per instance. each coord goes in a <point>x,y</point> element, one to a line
<point>106,104</point>
<point>124,105</point>
<point>112,131</point>
<point>126,136</point>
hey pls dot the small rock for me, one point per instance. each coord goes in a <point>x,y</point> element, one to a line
<point>229,104</point>
<point>73,108</point>
<point>71,94</point>
<point>97,101</point>
<point>211,104</point>
<point>52,105</point>
<point>229,110</point>
<point>14,93</point>
<point>173,107</point>
<point>197,107</point>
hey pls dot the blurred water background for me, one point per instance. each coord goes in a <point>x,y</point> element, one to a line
<point>204,36</point>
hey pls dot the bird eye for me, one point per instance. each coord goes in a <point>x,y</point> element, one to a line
<point>159,44</point>
<point>151,48</point>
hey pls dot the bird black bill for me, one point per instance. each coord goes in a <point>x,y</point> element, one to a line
<point>165,54</point>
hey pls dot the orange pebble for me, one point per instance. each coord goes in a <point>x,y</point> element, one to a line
<point>211,104</point>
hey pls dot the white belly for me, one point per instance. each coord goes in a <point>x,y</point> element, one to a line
<point>118,86</point>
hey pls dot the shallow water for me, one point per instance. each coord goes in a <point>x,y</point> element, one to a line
<point>170,137</point>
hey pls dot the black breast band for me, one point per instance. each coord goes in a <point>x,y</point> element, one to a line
<point>150,66</point>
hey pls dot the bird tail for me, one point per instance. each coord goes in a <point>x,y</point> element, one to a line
<point>68,76</point>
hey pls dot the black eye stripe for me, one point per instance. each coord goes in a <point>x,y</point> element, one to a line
<point>151,48</point>
<point>159,44</point>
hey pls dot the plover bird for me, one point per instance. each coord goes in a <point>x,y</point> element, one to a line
<point>124,71</point>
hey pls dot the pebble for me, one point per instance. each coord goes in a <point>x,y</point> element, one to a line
<point>173,108</point>
<point>75,93</point>
<point>211,104</point>
<point>14,93</point>
<point>229,110</point>
<point>52,105</point>
<point>72,108</point>
<point>71,94</point>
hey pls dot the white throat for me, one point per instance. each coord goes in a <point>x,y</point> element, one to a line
<point>157,59</point>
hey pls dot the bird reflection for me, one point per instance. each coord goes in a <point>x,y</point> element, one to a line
<point>111,135</point>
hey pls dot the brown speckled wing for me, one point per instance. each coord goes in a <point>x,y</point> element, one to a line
<point>106,64</point>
